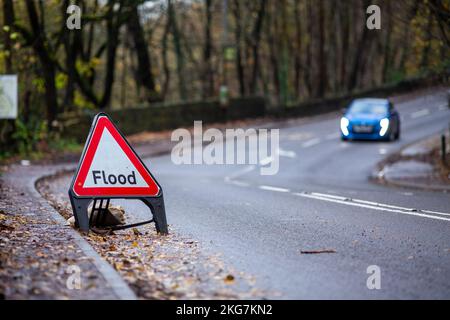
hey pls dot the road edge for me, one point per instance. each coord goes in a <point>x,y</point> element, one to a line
<point>114,280</point>
<point>379,177</point>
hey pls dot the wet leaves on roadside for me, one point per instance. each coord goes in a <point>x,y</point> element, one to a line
<point>162,267</point>
<point>229,279</point>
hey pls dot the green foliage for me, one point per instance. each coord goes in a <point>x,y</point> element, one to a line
<point>61,81</point>
<point>26,137</point>
<point>64,145</point>
<point>395,76</point>
<point>81,103</point>
<point>39,84</point>
<point>33,141</point>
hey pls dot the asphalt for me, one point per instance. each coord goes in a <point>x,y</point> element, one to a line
<point>318,200</point>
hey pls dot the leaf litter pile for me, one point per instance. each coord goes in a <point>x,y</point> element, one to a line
<point>35,254</point>
<point>160,267</point>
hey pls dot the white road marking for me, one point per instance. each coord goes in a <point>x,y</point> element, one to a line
<point>239,173</point>
<point>332,136</point>
<point>420,113</point>
<point>345,200</point>
<point>287,153</point>
<point>270,188</point>
<point>436,212</point>
<point>298,136</point>
<point>239,183</point>
<point>443,107</point>
<point>311,143</point>
<point>378,204</point>
<point>265,161</point>
<point>372,205</point>
<point>329,196</point>
<point>382,151</point>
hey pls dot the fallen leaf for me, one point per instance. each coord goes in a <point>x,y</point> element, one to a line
<point>6,227</point>
<point>229,279</point>
<point>126,262</point>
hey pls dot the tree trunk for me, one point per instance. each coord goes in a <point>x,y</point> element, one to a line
<point>166,69</point>
<point>387,44</point>
<point>238,40</point>
<point>272,27</point>
<point>178,52</point>
<point>426,50</point>
<point>256,44</point>
<point>284,68</point>
<point>322,62</point>
<point>309,48</point>
<point>345,20</point>
<point>113,28</point>
<point>208,74</point>
<point>72,41</point>
<point>48,65</point>
<point>8,20</point>
<point>297,48</point>
<point>145,77</point>
<point>358,62</point>
<point>406,35</point>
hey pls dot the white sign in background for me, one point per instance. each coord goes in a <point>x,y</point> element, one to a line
<point>8,97</point>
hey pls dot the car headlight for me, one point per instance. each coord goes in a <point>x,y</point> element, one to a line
<point>384,124</point>
<point>344,126</point>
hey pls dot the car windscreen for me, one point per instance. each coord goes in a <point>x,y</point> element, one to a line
<point>368,108</point>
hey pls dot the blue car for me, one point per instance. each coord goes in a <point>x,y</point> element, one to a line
<point>370,119</point>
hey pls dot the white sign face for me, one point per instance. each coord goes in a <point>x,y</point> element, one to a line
<point>111,168</point>
<point>8,97</point>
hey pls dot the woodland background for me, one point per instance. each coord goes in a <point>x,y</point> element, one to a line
<point>132,53</point>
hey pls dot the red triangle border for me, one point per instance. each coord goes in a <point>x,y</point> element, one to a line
<point>102,123</point>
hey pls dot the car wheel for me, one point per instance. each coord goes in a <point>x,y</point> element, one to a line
<point>392,136</point>
<point>397,135</point>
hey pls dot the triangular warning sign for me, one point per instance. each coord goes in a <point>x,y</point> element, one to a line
<point>109,167</point>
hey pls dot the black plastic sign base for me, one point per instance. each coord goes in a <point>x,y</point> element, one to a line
<point>86,185</point>
<point>156,205</point>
